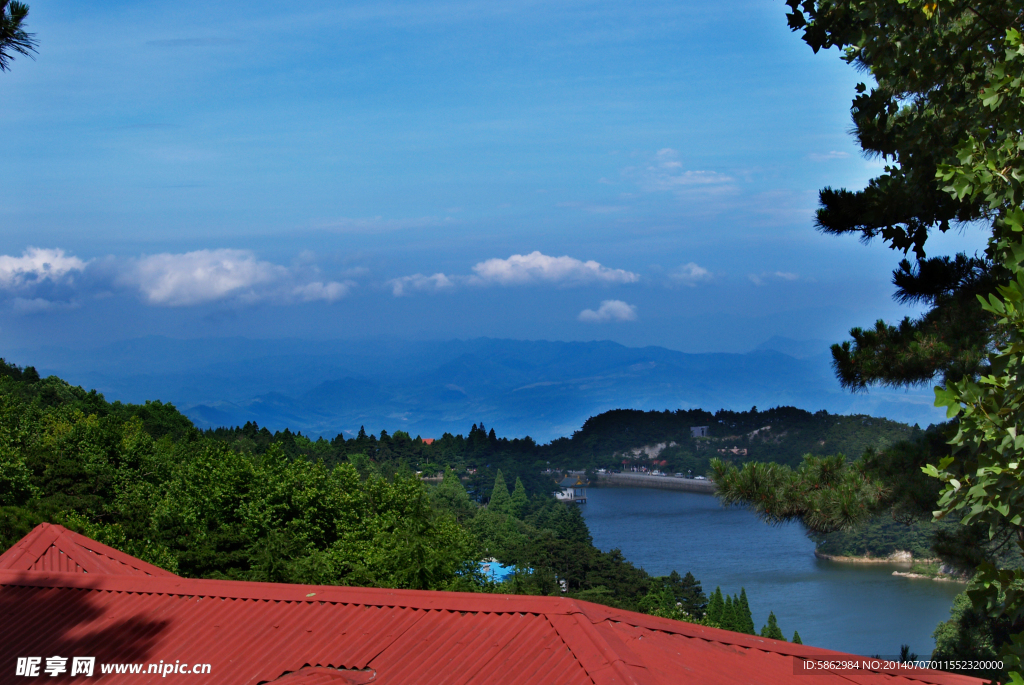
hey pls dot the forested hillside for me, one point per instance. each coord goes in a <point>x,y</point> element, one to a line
<point>245,504</point>
<point>783,434</point>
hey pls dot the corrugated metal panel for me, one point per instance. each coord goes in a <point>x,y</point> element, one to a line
<point>54,559</point>
<point>248,641</point>
<point>462,648</point>
<point>673,658</point>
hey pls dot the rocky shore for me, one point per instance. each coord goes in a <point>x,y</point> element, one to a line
<point>935,570</point>
<point>941,576</point>
<point>897,557</point>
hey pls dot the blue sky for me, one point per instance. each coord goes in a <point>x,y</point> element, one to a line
<point>563,170</point>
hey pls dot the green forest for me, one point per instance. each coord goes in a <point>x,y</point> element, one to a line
<point>609,440</point>
<point>882,536</point>
<point>244,504</point>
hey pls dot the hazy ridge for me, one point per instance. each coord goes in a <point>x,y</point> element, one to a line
<point>538,388</point>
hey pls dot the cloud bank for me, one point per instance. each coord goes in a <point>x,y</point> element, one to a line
<point>690,274</point>
<point>528,269</point>
<point>44,279</point>
<point>540,268</point>
<point>36,265</point>
<point>419,282</point>
<point>610,310</point>
<point>180,280</point>
<point>666,173</point>
<point>763,278</point>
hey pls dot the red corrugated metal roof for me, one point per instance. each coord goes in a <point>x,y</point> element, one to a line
<point>55,548</point>
<point>325,635</point>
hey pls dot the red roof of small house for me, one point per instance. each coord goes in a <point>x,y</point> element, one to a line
<point>427,441</point>
<point>326,635</point>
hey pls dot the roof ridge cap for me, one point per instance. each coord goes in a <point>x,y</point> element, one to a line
<point>35,543</point>
<point>614,657</point>
<point>91,562</point>
<point>424,600</point>
<point>109,556</point>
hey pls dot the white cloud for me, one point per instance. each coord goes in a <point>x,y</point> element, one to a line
<point>202,276</point>
<point>831,154</point>
<point>540,268</point>
<point>761,279</point>
<point>178,280</point>
<point>36,265</point>
<point>402,286</point>
<point>48,279</point>
<point>666,173</point>
<point>518,269</point>
<point>328,292</point>
<point>610,310</point>
<point>690,274</point>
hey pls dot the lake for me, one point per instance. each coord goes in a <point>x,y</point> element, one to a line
<point>856,608</point>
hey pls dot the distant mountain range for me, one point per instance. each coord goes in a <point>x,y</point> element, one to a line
<point>537,388</point>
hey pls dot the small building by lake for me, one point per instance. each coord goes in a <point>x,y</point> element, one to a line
<point>574,489</point>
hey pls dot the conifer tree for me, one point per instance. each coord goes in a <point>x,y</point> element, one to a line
<point>13,37</point>
<point>744,621</point>
<point>772,630</point>
<point>728,621</point>
<point>689,593</point>
<point>715,606</point>
<point>500,502</point>
<point>519,499</point>
<point>796,638</point>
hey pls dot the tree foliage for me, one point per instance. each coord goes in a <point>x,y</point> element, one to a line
<point>922,116</point>
<point>771,629</point>
<point>13,36</point>
<point>825,493</point>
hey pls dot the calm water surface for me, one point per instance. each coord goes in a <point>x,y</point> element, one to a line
<point>861,609</point>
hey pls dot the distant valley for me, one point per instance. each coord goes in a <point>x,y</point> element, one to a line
<point>537,388</point>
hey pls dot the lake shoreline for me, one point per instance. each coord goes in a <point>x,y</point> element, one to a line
<point>900,557</point>
<point>921,576</point>
<point>897,557</point>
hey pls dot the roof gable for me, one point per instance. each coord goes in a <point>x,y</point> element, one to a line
<point>49,547</point>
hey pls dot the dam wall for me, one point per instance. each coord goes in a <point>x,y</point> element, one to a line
<point>640,480</point>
